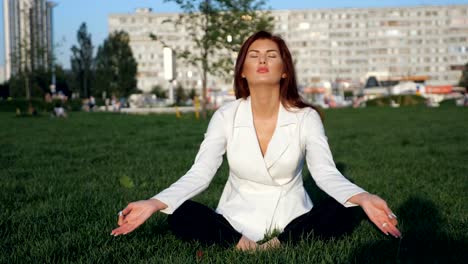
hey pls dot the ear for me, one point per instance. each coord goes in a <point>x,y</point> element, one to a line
<point>242,75</point>
<point>284,75</point>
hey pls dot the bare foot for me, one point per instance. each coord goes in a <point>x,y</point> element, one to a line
<point>270,244</point>
<point>246,244</point>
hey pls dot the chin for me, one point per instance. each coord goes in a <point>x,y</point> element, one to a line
<point>266,81</point>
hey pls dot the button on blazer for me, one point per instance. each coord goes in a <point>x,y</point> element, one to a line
<point>262,193</point>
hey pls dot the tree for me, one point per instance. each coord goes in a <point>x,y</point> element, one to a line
<point>218,27</point>
<point>180,95</point>
<point>26,66</point>
<point>159,92</point>
<point>192,93</point>
<point>464,77</point>
<point>115,66</point>
<point>82,60</point>
<point>4,90</point>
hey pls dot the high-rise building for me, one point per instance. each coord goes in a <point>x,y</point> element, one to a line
<point>2,74</point>
<point>28,35</point>
<point>327,44</point>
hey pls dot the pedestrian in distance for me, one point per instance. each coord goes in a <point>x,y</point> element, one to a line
<point>267,134</point>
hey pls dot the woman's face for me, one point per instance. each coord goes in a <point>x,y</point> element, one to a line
<point>263,64</point>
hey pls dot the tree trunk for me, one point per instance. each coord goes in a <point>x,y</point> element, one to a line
<point>26,85</point>
<point>85,85</point>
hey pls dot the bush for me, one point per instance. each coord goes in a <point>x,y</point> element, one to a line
<point>39,104</point>
<point>403,100</point>
<point>448,102</point>
<point>11,105</point>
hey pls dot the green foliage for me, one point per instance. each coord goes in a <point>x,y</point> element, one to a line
<point>348,94</point>
<point>39,104</point>
<point>192,93</point>
<point>82,61</point>
<point>27,61</point>
<point>38,82</point>
<point>464,78</point>
<point>180,95</point>
<point>403,100</point>
<point>61,190</point>
<point>217,20</point>
<point>115,66</point>
<point>448,102</point>
<point>4,90</point>
<point>126,182</point>
<point>22,104</point>
<point>209,24</point>
<point>18,84</point>
<point>159,92</point>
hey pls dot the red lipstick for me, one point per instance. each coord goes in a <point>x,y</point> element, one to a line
<point>262,70</point>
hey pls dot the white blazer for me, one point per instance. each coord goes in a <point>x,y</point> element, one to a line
<point>262,193</point>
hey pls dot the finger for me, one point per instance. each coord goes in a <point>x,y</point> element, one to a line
<point>124,229</point>
<point>121,219</point>
<point>390,215</point>
<point>389,212</point>
<point>394,231</point>
<point>393,221</point>
<point>116,231</point>
<point>388,218</point>
<point>127,210</point>
<point>383,228</point>
<point>389,228</point>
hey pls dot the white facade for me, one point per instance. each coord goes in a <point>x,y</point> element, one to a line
<point>149,53</point>
<point>327,44</point>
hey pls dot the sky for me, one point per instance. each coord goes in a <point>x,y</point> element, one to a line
<point>69,14</point>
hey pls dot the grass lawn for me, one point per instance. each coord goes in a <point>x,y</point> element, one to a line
<point>63,181</point>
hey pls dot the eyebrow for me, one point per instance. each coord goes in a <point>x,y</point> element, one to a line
<point>270,50</point>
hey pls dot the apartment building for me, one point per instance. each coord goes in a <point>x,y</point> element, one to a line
<point>327,44</point>
<point>28,34</point>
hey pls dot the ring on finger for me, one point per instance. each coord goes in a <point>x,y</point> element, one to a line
<point>120,213</point>
<point>384,224</point>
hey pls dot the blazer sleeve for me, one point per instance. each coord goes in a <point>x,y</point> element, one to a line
<point>320,161</point>
<point>207,162</point>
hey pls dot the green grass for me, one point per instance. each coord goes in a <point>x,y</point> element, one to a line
<point>63,181</point>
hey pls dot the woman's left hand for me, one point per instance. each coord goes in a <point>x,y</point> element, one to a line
<point>378,212</point>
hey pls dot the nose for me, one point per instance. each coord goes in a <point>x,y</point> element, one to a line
<point>262,59</point>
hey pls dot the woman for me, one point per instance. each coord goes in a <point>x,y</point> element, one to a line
<point>267,134</point>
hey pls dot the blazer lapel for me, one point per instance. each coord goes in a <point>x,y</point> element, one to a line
<point>247,137</point>
<point>282,136</point>
<point>244,116</point>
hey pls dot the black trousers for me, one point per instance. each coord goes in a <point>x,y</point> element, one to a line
<point>194,221</point>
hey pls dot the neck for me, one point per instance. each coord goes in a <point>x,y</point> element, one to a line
<point>265,102</point>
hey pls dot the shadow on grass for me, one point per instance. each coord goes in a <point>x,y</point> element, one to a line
<point>424,240</point>
<point>318,196</point>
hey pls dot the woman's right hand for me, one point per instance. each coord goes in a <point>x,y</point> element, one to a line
<point>135,214</point>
